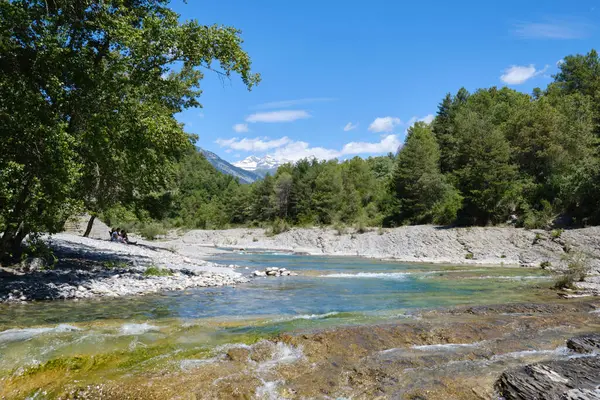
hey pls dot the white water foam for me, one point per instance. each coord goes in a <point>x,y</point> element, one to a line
<point>17,335</point>
<point>307,316</point>
<point>138,329</point>
<point>446,346</point>
<point>559,351</point>
<point>282,354</point>
<point>268,390</point>
<point>371,275</point>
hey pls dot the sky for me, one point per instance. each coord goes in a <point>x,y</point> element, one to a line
<point>347,78</point>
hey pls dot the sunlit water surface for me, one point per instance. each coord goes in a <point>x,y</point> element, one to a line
<point>329,291</point>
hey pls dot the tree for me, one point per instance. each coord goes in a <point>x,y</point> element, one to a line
<point>283,189</point>
<point>485,175</point>
<point>88,94</point>
<point>423,193</point>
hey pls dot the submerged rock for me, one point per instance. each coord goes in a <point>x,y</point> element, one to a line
<point>274,271</point>
<point>574,378</point>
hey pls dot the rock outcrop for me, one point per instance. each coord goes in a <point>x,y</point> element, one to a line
<point>575,378</point>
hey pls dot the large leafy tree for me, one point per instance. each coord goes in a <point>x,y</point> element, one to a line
<point>88,93</point>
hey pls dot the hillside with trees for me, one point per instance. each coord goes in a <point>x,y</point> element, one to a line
<point>89,95</point>
<point>489,157</point>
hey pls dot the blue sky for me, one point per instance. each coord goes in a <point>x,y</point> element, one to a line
<point>345,78</point>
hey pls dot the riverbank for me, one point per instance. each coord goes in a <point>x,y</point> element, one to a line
<point>422,243</point>
<point>89,268</point>
<point>551,250</point>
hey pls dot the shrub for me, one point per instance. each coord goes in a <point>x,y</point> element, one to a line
<point>545,264</point>
<point>538,238</point>
<point>556,233</point>
<point>156,271</point>
<point>469,256</point>
<point>152,230</point>
<point>278,226</point>
<point>503,256</point>
<point>539,219</point>
<point>340,228</point>
<point>37,248</point>
<point>565,281</point>
<point>577,269</point>
<point>114,265</point>
<point>361,223</point>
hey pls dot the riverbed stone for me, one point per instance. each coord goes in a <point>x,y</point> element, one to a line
<point>574,378</point>
<point>585,343</point>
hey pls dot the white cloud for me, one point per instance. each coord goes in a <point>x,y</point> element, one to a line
<point>384,124</point>
<point>201,114</point>
<point>350,126</point>
<point>256,145</point>
<point>278,116</point>
<point>239,128</point>
<point>290,150</point>
<point>427,119</point>
<point>389,143</point>
<point>295,151</point>
<point>564,28</point>
<point>517,74</point>
<point>291,103</point>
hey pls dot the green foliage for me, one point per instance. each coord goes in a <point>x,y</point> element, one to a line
<point>556,233</point>
<point>156,271</point>
<point>424,194</point>
<point>539,219</point>
<point>96,89</point>
<point>279,226</point>
<point>469,256</point>
<point>151,230</point>
<point>37,248</point>
<point>578,267</point>
<point>115,265</point>
<point>545,264</point>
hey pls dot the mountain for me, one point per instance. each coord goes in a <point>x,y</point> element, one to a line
<point>260,166</point>
<point>223,166</point>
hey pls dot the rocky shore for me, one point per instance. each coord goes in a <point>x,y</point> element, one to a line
<point>90,268</point>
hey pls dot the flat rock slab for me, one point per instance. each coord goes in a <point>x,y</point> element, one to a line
<point>576,378</point>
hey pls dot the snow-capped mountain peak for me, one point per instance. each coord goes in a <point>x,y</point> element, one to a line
<point>253,163</point>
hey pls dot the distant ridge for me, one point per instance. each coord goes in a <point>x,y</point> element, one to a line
<point>229,169</point>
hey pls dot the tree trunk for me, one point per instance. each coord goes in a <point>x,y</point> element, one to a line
<point>10,245</point>
<point>89,226</point>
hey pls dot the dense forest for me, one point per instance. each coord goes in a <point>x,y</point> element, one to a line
<point>489,157</point>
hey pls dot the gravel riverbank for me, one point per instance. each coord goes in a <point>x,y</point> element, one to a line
<point>99,268</point>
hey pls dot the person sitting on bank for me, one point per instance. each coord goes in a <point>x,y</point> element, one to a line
<point>114,235</point>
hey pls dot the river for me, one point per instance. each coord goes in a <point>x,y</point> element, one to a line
<point>121,340</point>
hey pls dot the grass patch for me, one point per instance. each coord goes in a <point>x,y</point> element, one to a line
<point>156,271</point>
<point>115,265</point>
